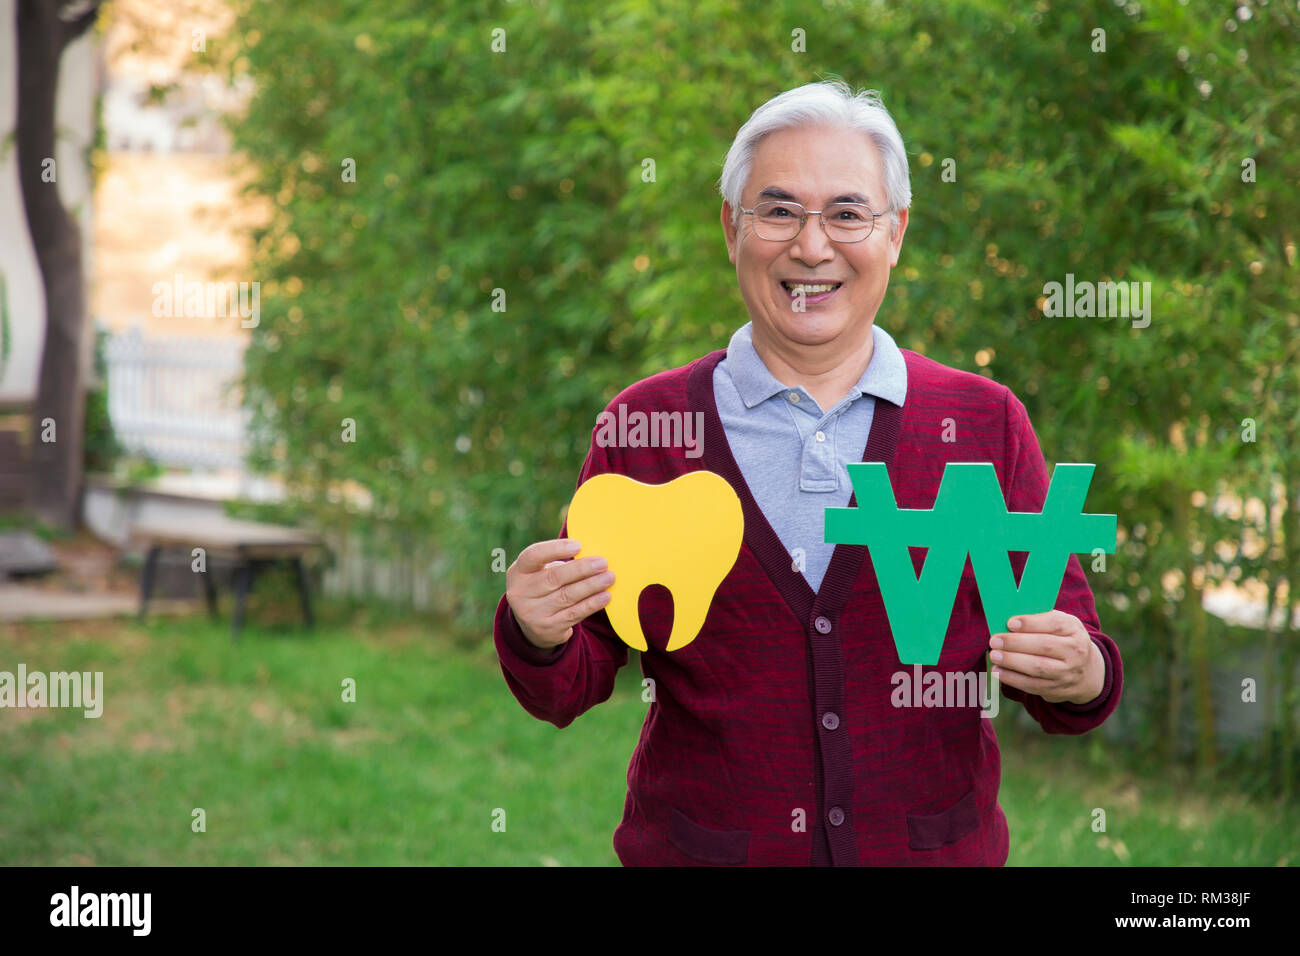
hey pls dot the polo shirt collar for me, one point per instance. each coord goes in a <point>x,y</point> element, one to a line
<point>885,375</point>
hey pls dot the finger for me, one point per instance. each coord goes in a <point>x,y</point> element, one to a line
<point>579,590</point>
<point>555,575</point>
<point>1030,665</point>
<point>1032,685</point>
<point>536,556</point>
<point>574,614</point>
<point>1047,622</point>
<point>1044,645</point>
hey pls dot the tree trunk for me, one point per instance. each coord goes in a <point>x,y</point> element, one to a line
<point>1199,652</point>
<point>1179,531</point>
<point>59,411</point>
<point>1271,670</point>
<point>1290,642</point>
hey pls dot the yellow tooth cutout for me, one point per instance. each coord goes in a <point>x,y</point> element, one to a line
<point>684,534</point>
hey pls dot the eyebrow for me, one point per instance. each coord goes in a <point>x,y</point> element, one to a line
<point>776,192</point>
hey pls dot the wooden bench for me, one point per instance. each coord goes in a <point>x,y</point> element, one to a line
<point>252,545</point>
<point>14,466</point>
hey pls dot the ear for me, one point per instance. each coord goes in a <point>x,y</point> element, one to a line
<point>729,232</point>
<point>896,240</point>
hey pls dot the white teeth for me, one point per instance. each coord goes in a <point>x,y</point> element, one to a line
<point>810,289</point>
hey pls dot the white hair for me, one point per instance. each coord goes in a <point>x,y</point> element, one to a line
<point>833,103</point>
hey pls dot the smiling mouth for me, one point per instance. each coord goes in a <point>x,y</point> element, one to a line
<point>809,289</point>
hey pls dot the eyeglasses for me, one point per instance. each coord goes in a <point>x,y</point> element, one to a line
<point>843,221</point>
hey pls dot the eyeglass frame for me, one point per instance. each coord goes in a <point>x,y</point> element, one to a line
<point>803,221</point>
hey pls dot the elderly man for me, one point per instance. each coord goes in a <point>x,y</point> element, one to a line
<point>776,737</point>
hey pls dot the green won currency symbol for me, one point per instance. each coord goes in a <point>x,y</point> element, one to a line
<point>969,517</point>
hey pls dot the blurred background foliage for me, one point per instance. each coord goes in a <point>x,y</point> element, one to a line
<point>1169,157</point>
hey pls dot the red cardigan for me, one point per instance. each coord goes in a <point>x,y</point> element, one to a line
<point>772,739</point>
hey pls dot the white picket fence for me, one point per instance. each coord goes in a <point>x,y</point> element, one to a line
<point>171,399</point>
<point>175,400</point>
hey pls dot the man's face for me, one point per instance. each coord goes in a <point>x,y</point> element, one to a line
<point>814,166</point>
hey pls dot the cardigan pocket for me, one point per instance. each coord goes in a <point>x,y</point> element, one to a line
<point>721,847</point>
<point>930,832</point>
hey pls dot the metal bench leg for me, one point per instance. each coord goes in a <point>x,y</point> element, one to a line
<point>210,592</point>
<point>243,583</point>
<point>146,578</point>
<point>304,594</point>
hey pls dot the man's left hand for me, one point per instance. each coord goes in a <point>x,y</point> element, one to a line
<point>1051,655</point>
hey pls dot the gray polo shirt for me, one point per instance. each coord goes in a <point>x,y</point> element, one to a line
<point>791,452</point>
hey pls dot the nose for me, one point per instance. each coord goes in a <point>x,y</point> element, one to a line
<point>812,245</point>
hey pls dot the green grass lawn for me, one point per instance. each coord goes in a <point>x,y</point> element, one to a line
<point>257,735</point>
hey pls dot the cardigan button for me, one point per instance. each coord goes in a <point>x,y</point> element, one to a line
<point>823,625</point>
<point>836,816</point>
<point>830,720</point>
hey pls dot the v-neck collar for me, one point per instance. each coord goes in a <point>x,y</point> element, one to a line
<point>763,541</point>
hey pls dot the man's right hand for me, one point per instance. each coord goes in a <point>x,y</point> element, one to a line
<point>549,592</point>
